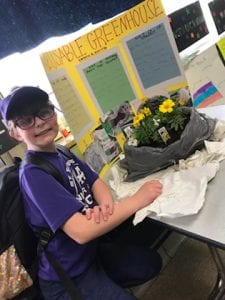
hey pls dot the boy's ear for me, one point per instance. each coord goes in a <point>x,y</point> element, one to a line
<point>15,134</point>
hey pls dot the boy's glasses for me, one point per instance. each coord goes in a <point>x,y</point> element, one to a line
<point>28,121</point>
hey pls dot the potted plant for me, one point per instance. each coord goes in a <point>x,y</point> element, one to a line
<point>163,132</point>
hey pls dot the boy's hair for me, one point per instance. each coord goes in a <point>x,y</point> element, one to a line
<point>22,101</point>
<point>10,126</point>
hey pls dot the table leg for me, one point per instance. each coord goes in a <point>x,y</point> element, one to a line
<point>218,292</point>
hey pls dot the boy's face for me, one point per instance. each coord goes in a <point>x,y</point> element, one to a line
<point>40,136</point>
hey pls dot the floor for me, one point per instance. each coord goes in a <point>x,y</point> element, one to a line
<point>188,273</point>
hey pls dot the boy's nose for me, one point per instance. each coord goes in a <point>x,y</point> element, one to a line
<point>38,121</point>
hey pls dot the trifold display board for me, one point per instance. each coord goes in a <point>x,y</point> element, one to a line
<point>119,62</point>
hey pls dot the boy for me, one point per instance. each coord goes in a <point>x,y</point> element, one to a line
<point>78,212</point>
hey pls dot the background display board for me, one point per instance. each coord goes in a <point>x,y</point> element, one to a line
<point>217,8</point>
<point>206,78</point>
<point>220,45</point>
<point>6,142</point>
<point>188,25</point>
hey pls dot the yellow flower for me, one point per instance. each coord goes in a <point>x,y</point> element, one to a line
<point>137,119</point>
<point>143,99</point>
<point>182,101</point>
<point>146,111</point>
<point>166,106</point>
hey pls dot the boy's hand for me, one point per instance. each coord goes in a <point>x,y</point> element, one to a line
<point>148,192</point>
<point>100,212</point>
<point>104,198</point>
<point>107,207</point>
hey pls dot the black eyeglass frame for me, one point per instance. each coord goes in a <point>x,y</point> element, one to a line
<point>39,114</point>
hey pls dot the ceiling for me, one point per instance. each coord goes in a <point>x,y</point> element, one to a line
<point>27,23</point>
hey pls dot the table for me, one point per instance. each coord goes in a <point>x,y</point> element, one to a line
<point>207,226</point>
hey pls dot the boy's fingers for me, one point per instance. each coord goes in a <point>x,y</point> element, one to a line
<point>111,207</point>
<point>105,212</point>
<point>97,212</point>
<point>88,213</point>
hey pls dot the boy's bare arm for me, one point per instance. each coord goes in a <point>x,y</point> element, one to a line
<point>82,230</point>
<point>102,193</point>
<point>104,199</point>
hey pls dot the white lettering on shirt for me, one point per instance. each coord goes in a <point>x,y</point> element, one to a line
<point>79,182</point>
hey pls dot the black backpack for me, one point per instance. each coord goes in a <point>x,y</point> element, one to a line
<point>18,244</point>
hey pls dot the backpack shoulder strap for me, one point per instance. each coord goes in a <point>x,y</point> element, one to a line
<point>64,150</point>
<point>38,160</point>
<point>43,164</point>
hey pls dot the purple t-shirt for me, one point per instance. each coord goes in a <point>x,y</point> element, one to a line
<point>49,204</point>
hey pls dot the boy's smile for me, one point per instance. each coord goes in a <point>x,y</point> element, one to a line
<point>44,132</point>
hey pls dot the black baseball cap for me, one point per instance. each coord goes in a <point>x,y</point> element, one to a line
<point>20,99</point>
